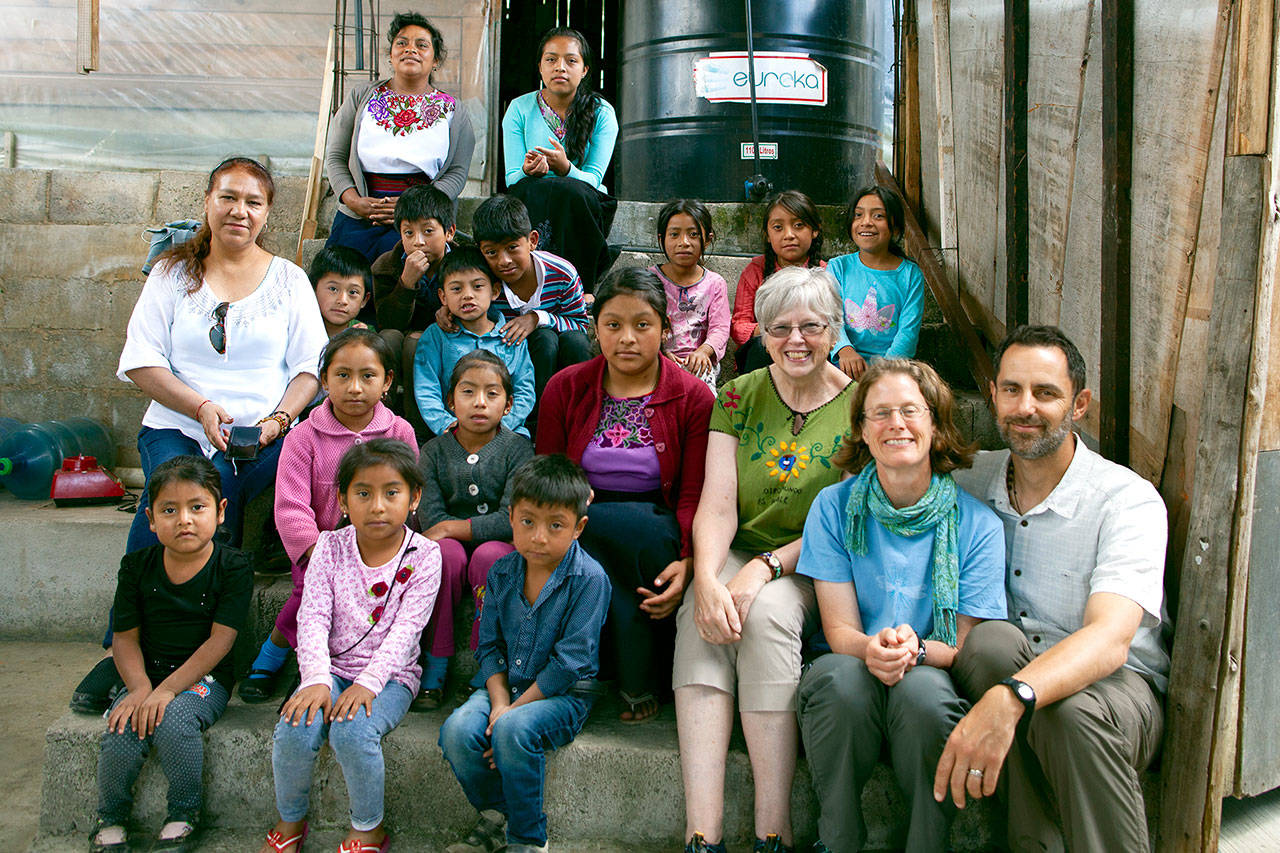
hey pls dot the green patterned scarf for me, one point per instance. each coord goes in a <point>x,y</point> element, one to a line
<point>937,511</point>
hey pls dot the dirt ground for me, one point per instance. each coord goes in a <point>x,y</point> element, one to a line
<point>36,680</point>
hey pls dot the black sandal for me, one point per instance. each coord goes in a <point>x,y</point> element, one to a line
<point>259,686</point>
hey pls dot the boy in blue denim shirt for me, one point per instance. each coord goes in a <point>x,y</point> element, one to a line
<point>540,627</point>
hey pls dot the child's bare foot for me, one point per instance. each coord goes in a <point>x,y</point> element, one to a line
<point>285,837</point>
<point>372,841</point>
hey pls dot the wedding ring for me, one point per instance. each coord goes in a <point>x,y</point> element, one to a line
<point>973,771</point>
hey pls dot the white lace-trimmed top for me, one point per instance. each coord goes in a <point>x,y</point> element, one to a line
<point>272,335</point>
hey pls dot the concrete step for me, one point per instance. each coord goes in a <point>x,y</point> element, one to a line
<point>614,787</point>
<point>241,840</point>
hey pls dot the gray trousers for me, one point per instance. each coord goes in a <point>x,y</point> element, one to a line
<point>180,743</point>
<point>847,717</point>
<point>1078,763</point>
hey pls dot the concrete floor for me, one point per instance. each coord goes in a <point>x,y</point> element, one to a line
<point>36,680</point>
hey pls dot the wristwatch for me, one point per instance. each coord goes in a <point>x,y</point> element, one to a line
<point>771,560</point>
<point>920,655</point>
<point>1024,694</point>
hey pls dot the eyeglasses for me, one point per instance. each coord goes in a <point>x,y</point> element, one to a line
<point>808,330</point>
<point>909,412</point>
<point>218,333</point>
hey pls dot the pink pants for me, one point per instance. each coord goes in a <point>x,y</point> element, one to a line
<point>287,621</point>
<point>459,571</point>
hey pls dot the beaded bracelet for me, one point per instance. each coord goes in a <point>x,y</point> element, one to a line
<point>281,418</point>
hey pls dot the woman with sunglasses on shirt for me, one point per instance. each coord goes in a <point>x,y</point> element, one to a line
<point>224,335</point>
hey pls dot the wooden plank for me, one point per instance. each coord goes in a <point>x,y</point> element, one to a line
<point>906,143</point>
<point>1017,208</point>
<point>1252,72</point>
<point>1259,753</point>
<point>1062,37</point>
<point>1117,180</point>
<point>946,129</point>
<point>935,276</point>
<point>311,204</point>
<point>977,71</point>
<point>1203,684</point>
<point>929,198</point>
<point>87,32</point>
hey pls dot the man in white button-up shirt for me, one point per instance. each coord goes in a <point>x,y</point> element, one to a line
<point>1068,694</point>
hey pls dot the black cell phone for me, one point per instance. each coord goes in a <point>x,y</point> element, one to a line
<point>243,443</point>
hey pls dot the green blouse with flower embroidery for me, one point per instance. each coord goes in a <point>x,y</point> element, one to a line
<point>779,474</point>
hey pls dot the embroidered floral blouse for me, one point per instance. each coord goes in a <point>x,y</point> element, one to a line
<point>779,474</point>
<point>621,457</point>
<point>405,133</point>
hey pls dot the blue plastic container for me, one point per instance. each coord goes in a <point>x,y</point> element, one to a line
<point>30,454</point>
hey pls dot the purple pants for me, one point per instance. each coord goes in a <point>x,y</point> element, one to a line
<point>287,621</point>
<point>459,571</point>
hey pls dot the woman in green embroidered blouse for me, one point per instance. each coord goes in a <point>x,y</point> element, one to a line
<point>773,433</point>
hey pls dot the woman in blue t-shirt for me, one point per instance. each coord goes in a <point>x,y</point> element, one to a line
<point>904,563</point>
<point>557,142</point>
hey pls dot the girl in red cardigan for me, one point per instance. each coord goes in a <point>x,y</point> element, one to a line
<point>637,424</point>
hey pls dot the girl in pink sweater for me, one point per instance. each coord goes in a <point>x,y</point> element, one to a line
<point>369,591</point>
<point>356,369</point>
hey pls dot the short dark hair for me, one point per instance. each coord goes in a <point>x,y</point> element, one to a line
<point>500,218</point>
<point>366,337</point>
<point>380,451</point>
<point>421,202</point>
<point>185,469</point>
<point>695,210</point>
<point>482,358</point>
<point>1046,336</point>
<point>413,19</point>
<point>551,481</point>
<point>341,261</point>
<point>632,281</point>
<point>893,210</point>
<point>463,259</point>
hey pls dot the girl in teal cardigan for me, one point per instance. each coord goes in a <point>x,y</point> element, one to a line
<point>556,144</point>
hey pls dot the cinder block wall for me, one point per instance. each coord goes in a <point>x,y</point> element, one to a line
<point>71,253</point>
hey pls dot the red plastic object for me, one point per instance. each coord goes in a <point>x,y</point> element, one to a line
<point>82,482</point>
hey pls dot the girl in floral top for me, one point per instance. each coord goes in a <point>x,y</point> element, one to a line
<point>637,424</point>
<point>368,593</point>
<point>697,298</point>
<point>392,134</point>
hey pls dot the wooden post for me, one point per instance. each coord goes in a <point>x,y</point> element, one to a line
<point>1205,671</point>
<point>1017,204</point>
<point>1117,174</point>
<point>311,204</point>
<point>906,142</point>
<point>1250,95</point>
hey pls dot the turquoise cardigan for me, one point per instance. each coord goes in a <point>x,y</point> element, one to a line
<point>524,128</point>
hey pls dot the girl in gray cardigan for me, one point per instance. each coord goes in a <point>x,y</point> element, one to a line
<point>464,505</point>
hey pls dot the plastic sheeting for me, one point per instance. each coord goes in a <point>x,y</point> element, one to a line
<point>183,83</point>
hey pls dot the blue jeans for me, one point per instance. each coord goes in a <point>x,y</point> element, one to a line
<point>357,744</point>
<point>520,740</point>
<point>177,740</point>
<point>242,481</point>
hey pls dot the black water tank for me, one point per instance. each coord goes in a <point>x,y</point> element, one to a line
<point>673,142</point>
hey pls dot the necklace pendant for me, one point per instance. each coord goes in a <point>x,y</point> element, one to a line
<point>797,422</point>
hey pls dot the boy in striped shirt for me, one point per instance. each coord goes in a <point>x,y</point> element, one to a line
<point>541,298</point>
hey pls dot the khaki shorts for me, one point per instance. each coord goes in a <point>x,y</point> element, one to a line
<point>763,668</point>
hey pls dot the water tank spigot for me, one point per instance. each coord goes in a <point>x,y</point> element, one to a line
<point>758,188</point>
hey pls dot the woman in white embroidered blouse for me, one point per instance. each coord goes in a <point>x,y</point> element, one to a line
<point>224,335</point>
<point>392,134</point>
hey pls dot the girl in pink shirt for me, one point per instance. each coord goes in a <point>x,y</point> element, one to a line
<point>369,591</point>
<point>356,369</point>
